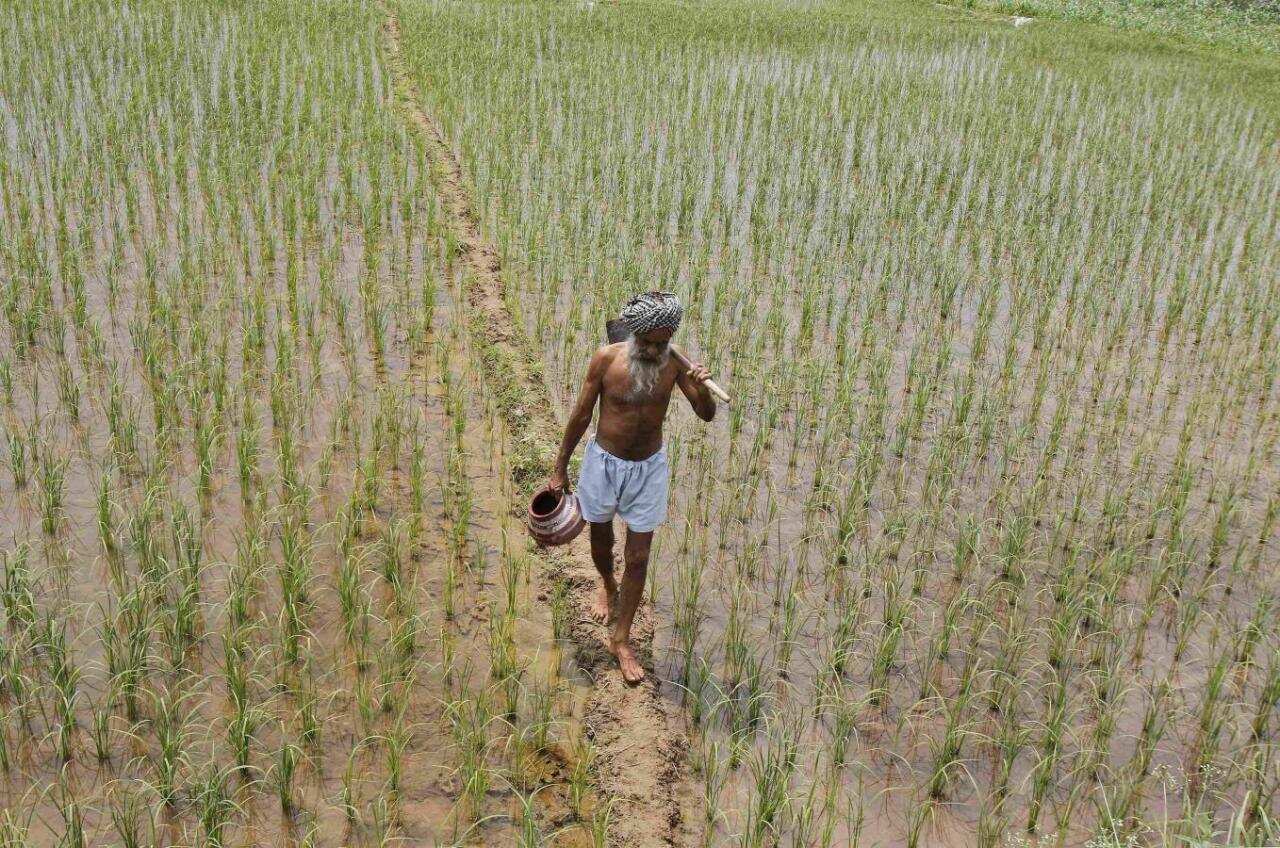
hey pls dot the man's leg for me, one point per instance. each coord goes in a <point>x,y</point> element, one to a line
<point>602,556</point>
<point>636,556</point>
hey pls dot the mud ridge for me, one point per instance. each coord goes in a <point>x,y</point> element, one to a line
<point>640,766</point>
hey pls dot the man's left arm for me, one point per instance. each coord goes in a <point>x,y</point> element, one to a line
<point>692,383</point>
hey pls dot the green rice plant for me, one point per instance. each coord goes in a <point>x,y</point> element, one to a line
<point>309,718</point>
<point>1211,724</point>
<point>127,640</point>
<point>283,776</point>
<point>1154,726</point>
<point>1010,741</point>
<point>366,703</point>
<point>347,798</point>
<point>968,543</point>
<point>18,463</point>
<point>449,589</point>
<point>417,475</point>
<point>6,753</point>
<point>885,652</point>
<point>1222,524</point>
<point>365,495</point>
<point>1190,609</point>
<point>6,381</point>
<point>844,726</point>
<point>580,775</point>
<point>541,697</point>
<point>601,820</point>
<point>64,675</point>
<point>172,739</point>
<point>395,551</point>
<point>504,664</point>
<point>188,550</point>
<point>448,657</point>
<point>787,635</point>
<point>919,818</point>
<point>69,394</point>
<point>246,717</point>
<point>559,603</point>
<point>207,436</point>
<point>1268,698</point>
<point>53,471</point>
<point>18,594</point>
<point>946,751</point>
<point>68,804</point>
<point>14,832</point>
<point>104,514</point>
<point>1050,743</point>
<point>398,741</point>
<point>1269,515</point>
<point>215,805</point>
<point>122,423</point>
<point>1260,797</point>
<point>101,730</point>
<point>469,720</point>
<point>19,689</point>
<point>1109,690</point>
<point>1004,693</point>
<point>1247,639</point>
<point>771,770</point>
<point>353,600</point>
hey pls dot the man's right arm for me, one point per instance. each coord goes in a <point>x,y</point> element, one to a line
<point>580,418</point>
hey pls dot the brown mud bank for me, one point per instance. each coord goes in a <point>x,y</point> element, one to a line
<point>640,764</point>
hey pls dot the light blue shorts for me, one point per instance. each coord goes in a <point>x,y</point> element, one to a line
<point>633,489</point>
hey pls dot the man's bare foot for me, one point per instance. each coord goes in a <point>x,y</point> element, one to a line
<point>632,671</point>
<point>602,604</point>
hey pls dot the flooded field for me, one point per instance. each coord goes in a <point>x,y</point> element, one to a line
<point>293,296</point>
<point>261,580</point>
<point>984,552</point>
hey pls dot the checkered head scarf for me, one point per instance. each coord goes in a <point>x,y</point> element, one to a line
<point>652,311</point>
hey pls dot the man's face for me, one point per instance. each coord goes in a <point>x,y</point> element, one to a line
<point>652,345</point>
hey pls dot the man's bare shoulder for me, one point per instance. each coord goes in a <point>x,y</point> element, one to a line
<point>604,357</point>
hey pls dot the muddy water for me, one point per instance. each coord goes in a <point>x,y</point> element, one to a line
<point>894,740</point>
<point>758,540</point>
<point>358,704</point>
<point>752,539</point>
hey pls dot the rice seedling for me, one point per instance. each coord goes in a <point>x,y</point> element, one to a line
<point>52,491</point>
<point>17,458</point>
<point>470,721</point>
<point>284,776</point>
<point>600,821</point>
<point>216,806</point>
<point>14,829</point>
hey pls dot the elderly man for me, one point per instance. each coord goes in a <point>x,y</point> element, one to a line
<point>624,471</point>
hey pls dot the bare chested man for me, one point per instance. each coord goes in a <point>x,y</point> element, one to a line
<point>624,471</point>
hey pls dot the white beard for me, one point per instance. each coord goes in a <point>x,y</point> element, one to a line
<point>644,372</point>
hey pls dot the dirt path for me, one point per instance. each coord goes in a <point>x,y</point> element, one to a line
<point>640,765</point>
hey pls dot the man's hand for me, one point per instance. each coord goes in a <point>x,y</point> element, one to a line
<point>559,481</point>
<point>699,373</point>
<point>691,381</point>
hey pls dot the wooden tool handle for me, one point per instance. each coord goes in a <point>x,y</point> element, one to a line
<point>710,384</point>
